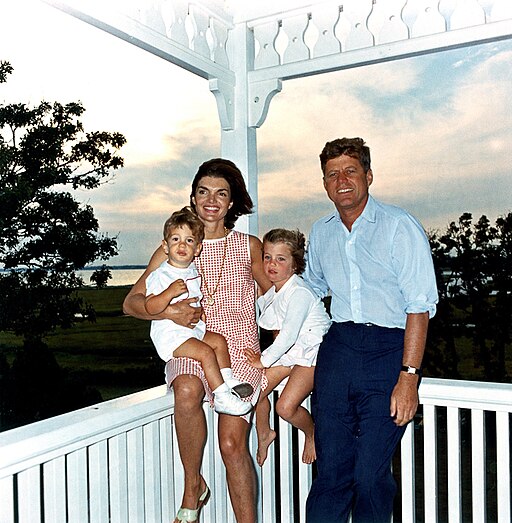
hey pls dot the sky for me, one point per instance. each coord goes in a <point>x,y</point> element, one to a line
<point>439,127</point>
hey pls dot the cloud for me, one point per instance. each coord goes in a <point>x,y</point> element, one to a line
<point>437,159</point>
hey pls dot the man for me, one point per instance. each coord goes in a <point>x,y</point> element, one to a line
<point>375,261</point>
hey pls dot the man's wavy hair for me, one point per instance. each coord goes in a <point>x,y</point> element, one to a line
<point>353,147</point>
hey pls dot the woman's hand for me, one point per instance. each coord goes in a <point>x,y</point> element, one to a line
<point>254,358</point>
<point>183,313</point>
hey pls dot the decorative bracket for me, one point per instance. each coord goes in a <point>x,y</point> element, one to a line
<point>260,95</point>
<point>224,95</point>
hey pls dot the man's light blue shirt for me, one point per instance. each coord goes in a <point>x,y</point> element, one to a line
<point>378,272</point>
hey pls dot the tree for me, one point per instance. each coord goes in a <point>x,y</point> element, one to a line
<point>46,235</point>
<point>476,288</point>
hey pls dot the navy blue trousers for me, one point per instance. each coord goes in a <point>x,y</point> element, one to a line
<point>355,437</point>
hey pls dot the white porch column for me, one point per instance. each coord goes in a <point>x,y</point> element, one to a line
<point>238,139</point>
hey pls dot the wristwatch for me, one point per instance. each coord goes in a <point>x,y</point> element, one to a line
<point>410,370</point>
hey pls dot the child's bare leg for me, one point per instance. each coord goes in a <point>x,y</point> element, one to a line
<point>299,385</point>
<point>205,355</point>
<point>275,375</point>
<point>219,347</point>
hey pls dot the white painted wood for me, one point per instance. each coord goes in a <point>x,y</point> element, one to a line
<point>174,16</point>
<point>385,22</point>
<point>503,466</point>
<point>118,478</point>
<point>325,20</point>
<point>77,486</point>
<point>98,482</point>
<point>423,18</point>
<point>294,28</point>
<point>239,145</point>
<point>357,14</point>
<point>305,472</point>
<point>501,10</point>
<point>54,485</point>
<point>6,500</point>
<point>430,462</point>
<point>286,470</point>
<point>199,20</point>
<point>267,476</point>
<point>135,462</point>
<point>408,481</point>
<point>219,33</point>
<point>152,464</point>
<point>115,423</point>
<point>467,13</point>
<point>166,470</point>
<point>478,469</point>
<point>29,495</point>
<point>265,35</point>
<point>260,96</point>
<point>454,465</point>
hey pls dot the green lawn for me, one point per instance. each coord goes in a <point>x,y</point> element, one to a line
<point>114,354</point>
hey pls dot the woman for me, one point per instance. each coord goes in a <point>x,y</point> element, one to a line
<point>229,264</point>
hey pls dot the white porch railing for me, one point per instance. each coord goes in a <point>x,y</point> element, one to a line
<point>118,462</point>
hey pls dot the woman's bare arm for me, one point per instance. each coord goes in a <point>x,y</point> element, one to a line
<point>258,273</point>
<point>181,313</point>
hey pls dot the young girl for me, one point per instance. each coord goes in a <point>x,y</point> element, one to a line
<point>176,279</point>
<point>292,308</point>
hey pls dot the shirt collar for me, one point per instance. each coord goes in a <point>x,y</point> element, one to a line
<point>368,213</point>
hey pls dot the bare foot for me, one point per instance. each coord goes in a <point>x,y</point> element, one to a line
<point>309,453</point>
<point>263,445</point>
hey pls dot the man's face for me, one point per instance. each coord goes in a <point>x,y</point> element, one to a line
<point>347,184</point>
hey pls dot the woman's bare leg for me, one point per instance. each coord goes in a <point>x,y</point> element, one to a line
<point>300,384</point>
<point>266,435</point>
<point>240,473</point>
<point>191,433</point>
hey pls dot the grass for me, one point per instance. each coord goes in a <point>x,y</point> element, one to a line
<point>114,354</point>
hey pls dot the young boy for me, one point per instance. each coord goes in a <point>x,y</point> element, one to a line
<point>177,279</point>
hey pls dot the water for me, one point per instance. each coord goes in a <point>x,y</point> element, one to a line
<point>120,276</point>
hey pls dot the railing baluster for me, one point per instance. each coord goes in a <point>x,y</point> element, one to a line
<point>138,438</point>
<point>76,482</point>
<point>151,456</point>
<point>286,469</point>
<point>135,448</point>
<point>29,495</point>
<point>503,466</point>
<point>478,468</point>
<point>7,499</point>
<point>454,465</point>
<point>54,484</point>
<point>408,481</point>
<point>430,462</point>
<point>98,482</point>
<point>118,478</point>
<point>166,469</point>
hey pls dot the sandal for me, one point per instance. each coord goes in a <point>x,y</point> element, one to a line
<point>189,515</point>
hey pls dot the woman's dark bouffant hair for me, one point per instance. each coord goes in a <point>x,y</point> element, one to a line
<point>295,240</point>
<point>353,147</point>
<point>221,168</point>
